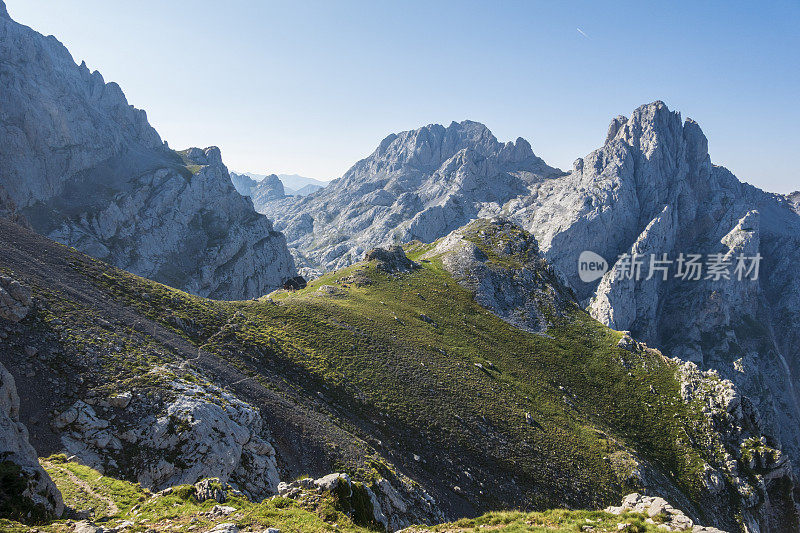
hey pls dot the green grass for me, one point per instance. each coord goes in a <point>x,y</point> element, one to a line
<point>179,510</point>
<point>368,352</point>
<point>371,350</point>
<point>551,521</point>
<point>103,489</point>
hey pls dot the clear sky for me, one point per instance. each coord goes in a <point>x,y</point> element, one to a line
<point>311,87</point>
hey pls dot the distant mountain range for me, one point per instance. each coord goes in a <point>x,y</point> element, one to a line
<point>293,184</point>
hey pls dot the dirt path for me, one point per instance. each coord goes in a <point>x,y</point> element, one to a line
<point>111,507</point>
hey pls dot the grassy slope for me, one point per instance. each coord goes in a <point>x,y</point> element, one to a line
<point>410,390</point>
<point>418,383</point>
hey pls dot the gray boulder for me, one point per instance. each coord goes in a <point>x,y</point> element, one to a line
<point>15,299</point>
<point>212,433</point>
<point>391,260</point>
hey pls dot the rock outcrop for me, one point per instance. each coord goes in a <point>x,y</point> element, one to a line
<point>659,512</point>
<point>742,459</point>
<point>389,506</point>
<point>391,260</point>
<point>87,170</point>
<point>26,492</point>
<point>270,188</point>
<point>200,432</point>
<point>501,265</point>
<point>419,184</point>
<point>243,183</point>
<point>15,299</point>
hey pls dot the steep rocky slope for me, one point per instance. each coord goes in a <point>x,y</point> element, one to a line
<point>88,170</point>
<point>418,184</point>
<point>394,375</point>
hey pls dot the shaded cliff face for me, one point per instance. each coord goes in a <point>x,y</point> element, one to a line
<point>652,189</point>
<point>27,492</point>
<point>87,169</point>
<point>419,184</point>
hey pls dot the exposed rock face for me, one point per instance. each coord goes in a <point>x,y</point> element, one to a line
<point>26,486</point>
<point>742,459</point>
<point>391,260</point>
<point>501,265</point>
<point>201,432</point>
<point>87,170</point>
<point>419,184</point>
<point>15,299</point>
<point>652,189</point>
<point>270,188</point>
<point>211,488</point>
<point>670,518</point>
<point>393,506</point>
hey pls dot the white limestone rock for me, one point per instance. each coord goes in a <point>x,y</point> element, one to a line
<point>201,432</point>
<point>670,518</point>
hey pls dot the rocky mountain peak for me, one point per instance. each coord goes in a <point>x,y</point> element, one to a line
<point>418,184</point>
<point>656,131</point>
<point>430,146</point>
<point>270,188</point>
<point>206,156</point>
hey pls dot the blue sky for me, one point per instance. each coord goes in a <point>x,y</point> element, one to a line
<point>311,87</point>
